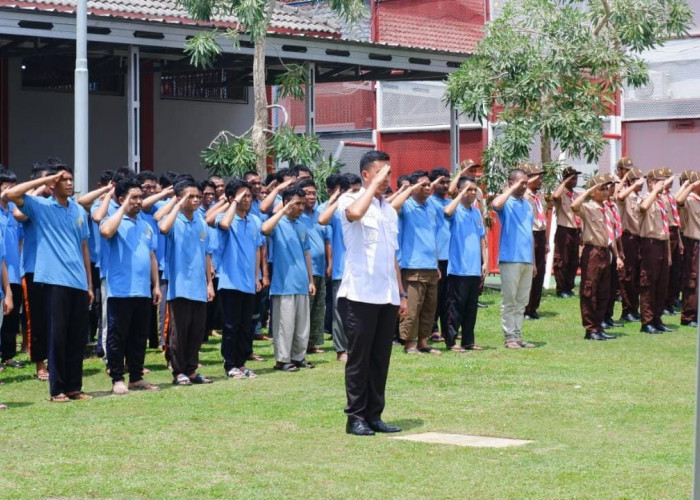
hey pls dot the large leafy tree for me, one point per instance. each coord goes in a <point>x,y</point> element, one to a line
<point>554,68</point>
<point>254,18</point>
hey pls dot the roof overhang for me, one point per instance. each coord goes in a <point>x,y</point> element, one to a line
<point>27,32</point>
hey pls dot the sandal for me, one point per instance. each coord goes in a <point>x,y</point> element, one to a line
<point>513,344</point>
<point>315,350</point>
<point>42,376</point>
<point>119,388</point>
<point>200,379</point>
<point>474,347</point>
<point>182,379</point>
<point>526,345</point>
<point>304,364</point>
<point>80,395</point>
<point>457,348</point>
<point>3,406</point>
<point>142,385</point>
<point>255,357</point>
<point>249,373</point>
<point>60,398</point>
<point>411,350</point>
<point>286,367</point>
<point>429,350</point>
<point>436,337</point>
<point>235,373</point>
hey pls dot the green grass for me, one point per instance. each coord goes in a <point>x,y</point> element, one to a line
<point>608,420</point>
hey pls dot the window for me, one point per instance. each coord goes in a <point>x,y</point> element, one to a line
<point>212,85</point>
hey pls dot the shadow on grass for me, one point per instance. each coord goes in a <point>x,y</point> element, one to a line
<point>19,377</point>
<point>407,424</point>
<point>19,404</point>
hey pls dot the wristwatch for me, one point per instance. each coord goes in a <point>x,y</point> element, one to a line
<point>403,295</point>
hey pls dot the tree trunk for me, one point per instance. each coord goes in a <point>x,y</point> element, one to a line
<point>545,148</point>
<point>260,97</point>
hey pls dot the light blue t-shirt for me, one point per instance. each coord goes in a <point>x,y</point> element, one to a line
<point>102,245</point>
<point>60,235</point>
<point>129,265</point>
<point>417,236</point>
<point>160,251</point>
<point>290,276</point>
<point>11,232</point>
<point>187,245</point>
<point>516,231</point>
<point>239,246</point>
<point>443,225</point>
<point>318,236</point>
<point>467,231</point>
<point>337,244</point>
<point>29,244</point>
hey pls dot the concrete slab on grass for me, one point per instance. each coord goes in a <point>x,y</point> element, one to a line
<point>462,440</point>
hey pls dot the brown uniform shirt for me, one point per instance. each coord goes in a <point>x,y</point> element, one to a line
<point>630,213</point>
<point>651,224</point>
<point>691,213</point>
<point>595,231</point>
<point>565,216</point>
<point>537,225</point>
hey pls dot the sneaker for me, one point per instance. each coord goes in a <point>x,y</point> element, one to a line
<point>119,388</point>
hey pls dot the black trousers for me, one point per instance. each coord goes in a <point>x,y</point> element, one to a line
<point>68,316</point>
<point>441,310</point>
<point>214,313</point>
<point>236,340</point>
<point>328,320</point>
<point>10,326</point>
<point>187,324</point>
<point>128,324</point>
<point>540,243</point>
<point>96,306</point>
<point>463,293</point>
<point>35,312</point>
<point>370,330</point>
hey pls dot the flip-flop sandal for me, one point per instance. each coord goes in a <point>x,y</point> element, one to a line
<point>3,406</point>
<point>79,396</point>
<point>255,357</point>
<point>430,350</point>
<point>474,347</point>
<point>411,350</point>
<point>182,379</point>
<point>526,345</point>
<point>287,367</point>
<point>42,376</point>
<point>436,337</point>
<point>60,398</point>
<point>142,385</point>
<point>513,345</point>
<point>235,373</point>
<point>457,348</point>
<point>304,364</point>
<point>200,379</point>
<point>249,373</point>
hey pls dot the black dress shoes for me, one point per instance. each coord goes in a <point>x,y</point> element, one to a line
<point>629,317</point>
<point>358,428</point>
<point>611,323</point>
<point>649,329</point>
<point>694,324</point>
<point>594,336</point>
<point>663,328</point>
<point>379,426</point>
<point>564,295</point>
<point>637,316</point>
<point>606,336</point>
<point>669,312</point>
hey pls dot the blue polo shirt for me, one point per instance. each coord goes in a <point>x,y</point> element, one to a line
<point>29,244</point>
<point>255,209</point>
<point>337,244</point>
<point>2,257</point>
<point>516,231</point>
<point>417,236</point>
<point>102,245</point>
<point>60,234</point>
<point>11,234</point>
<point>160,251</point>
<point>318,236</point>
<point>129,263</point>
<point>443,225</point>
<point>239,246</point>
<point>290,241</point>
<point>187,245</point>
<point>467,231</point>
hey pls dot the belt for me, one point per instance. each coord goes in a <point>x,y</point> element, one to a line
<point>654,241</point>
<point>628,233</point>
<point>596,246</point>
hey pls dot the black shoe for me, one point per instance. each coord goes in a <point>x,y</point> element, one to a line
<point>629,317</point>
<point>606,335</point>
<point>594,336</point>
<point>379,426</point>
<point>481,305</point>
<point>612,324</point>
<point>663,328</point>
<point>605,325</point>
<point>649,329</point>
<point>358,428</point>
<point>637,316</point>
<point>529,316</point>
<point>668,311</point>
<point>564,295</point>
<point>694,324</point>
<point>678,304</point>
<point>534,315</point>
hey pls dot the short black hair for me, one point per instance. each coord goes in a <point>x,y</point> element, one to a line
<point>186,177</point>
<point>463,180</point>
<point>302,168</point>
<point>304,183</point>
<point>353,179</point>
<point>123,173</point>
<point>370,157</point>
<point>55,161</point>
<point>514,174</point>
<point>344,183</point>
<point>59,167</point>
<point>418,174</point>
<point>291,192</point>
<point>438,172</point>
<point>7,175</point>
<point>183,184</point>
<point>269,178</point>
<point>146,175</point>
<point>249,174</point>
<point>124,185</point>
<point>284,172</point>
<point>205,184</point>
<point>215,176</point>
<point>232,187</point>
<point>401,180</point>
<point>106,177</point>
<point>167,179</point>
<point>332,181</point>
<point>38,168</point>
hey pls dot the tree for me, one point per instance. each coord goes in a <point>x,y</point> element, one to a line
<point>254,18</point>
<point>554,68</point>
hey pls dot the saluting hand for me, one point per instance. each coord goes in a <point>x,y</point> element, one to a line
<point>381,176</point>
<point>436,182</point>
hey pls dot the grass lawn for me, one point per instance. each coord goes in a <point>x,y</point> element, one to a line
<point>608,420</point>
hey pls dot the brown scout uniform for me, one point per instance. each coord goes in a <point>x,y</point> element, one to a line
<point>629,278</point>
<point>690,211</point>
<point>539,234</point>
<point>674,272</point>
<point>567,240</point>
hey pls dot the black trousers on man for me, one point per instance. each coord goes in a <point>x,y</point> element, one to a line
<point>68,318</point>
<point>10,326</point>
<point>236,340</point>
<point>540,243</point>
<point>442,309</point>
<point>370,330</point>
<point>36,317</point>
<point>463,299</point>
<point>128,324</point>
<point>188,319</point>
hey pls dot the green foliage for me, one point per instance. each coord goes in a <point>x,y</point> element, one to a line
<point>288,146</point>
<point>203,49</point>
<point>553,68</point>
<point>229,157</point>
<point>322,170</point>
<point>292,82</point>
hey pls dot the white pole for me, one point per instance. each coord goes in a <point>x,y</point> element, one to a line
<point>133,109</point>
<point>696,458</point>
<point>80,93</point>
<point>454,139</point>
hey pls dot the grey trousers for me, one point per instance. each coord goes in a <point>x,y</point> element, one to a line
<point>340,341</point>
<point>290,327</point>
<point>516,281</point>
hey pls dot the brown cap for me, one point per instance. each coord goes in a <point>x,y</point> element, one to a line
<point>600,180</point>
<point>684,176</point>
<point>625,162</point>
<point>659,173</point>
<point>469,163</point>
<point>569,171</point>
<point>635,174</point>
<point>531,169</point>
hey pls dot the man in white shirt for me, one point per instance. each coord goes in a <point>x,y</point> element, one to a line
<point>370,296</point>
